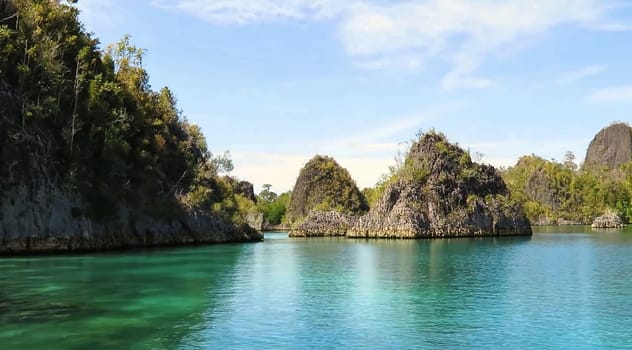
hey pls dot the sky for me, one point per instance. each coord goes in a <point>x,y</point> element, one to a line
<point>276,82</point>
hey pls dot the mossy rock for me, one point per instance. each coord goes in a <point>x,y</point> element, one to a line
<point>323,185</point>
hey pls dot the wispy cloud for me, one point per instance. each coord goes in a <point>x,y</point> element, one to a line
<point>614,94</point>
<point>248,11</point>
<point>99,14</point>
<point>463,32</point>
<point>366,153</point>
<point>610,27</point>
<point>581,73</point>
<point>281,170</point>
<point>403,34</point>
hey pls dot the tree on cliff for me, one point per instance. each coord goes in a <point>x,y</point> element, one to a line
<point>273,206</point>
<point>90,120</point>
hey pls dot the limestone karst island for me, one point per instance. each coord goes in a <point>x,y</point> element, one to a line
<point>306,174</point>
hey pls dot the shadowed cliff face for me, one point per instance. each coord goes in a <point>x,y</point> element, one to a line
<point>440,192</point>
<point>323,185</point>
<point>611,147</point>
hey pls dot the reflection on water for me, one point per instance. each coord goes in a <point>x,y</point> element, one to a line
<point>554,290</point>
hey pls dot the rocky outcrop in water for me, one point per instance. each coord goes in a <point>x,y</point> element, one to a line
<point>324,188</point>
<point>609,220</point>
<point>440,192</point>
<point>320,223</point>
<point>611,147</point>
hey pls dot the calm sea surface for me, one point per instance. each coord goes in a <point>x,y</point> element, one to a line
<point>562,288</point>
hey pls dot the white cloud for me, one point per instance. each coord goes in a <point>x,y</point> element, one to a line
<point>99,14</point>
<point>402,62</point>
<point>248,11</point>
<point>463,32</point>
<point>610,27</point>
<point>581,73</point>
<point>612,94</point>
<point>279,170</point>
<point>381,35</point>
<point>367,154</point>
<point>366,171</point>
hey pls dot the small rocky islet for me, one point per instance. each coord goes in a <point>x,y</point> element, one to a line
<point>439,192</point>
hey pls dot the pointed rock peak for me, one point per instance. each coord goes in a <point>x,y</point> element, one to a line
<point>324,185</point>
<point>610,148</point>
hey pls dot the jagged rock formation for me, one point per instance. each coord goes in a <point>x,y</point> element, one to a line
<point>323,186</point>
<point>320,223</point>
<point>609,220</point>
<point>611,147</point>
<point>440,192</point>
<point>243,188</point>
<point>255,220</point>
<point>540,187</point>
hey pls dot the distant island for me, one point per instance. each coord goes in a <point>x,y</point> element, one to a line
<point>563,192</point>
<point>438,192</point>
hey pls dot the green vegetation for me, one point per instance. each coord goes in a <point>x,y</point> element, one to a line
<point>324,185</point>
<point>554,192</point>
<point>89,120</point>
<point>273,206</point>
<point>433,161</point>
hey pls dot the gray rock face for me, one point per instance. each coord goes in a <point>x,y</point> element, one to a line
<point>440,192</point>
<point>319,223</point>
<point>406,212</point>
<point>540,188</point>
<point>608,221</point>
<point>255,220</point>
<point>611,147</point>
<point>47,219</point>
<point>243,188</point>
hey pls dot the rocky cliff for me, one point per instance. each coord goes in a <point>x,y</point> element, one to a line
<point>46,219</point>
<point>611,147</point>
<point>42,213</point>
<point>39,215</point>
<point>322,189</point>
<point>440,192</point>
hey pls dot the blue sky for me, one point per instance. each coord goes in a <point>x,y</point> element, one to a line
<point>277,81</point>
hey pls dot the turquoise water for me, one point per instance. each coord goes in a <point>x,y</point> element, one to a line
<point>568,288</point>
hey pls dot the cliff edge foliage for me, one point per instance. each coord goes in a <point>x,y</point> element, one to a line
<point>88,148</point>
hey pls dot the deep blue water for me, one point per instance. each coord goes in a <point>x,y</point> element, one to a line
<point>561,288</point>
